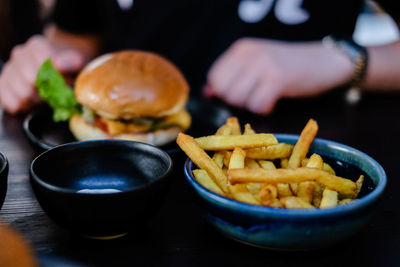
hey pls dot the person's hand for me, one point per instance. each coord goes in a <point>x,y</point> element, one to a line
<point>17,80</point>
<point>255,73</point>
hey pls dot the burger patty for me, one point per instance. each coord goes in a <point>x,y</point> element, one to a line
<point>142,125</point>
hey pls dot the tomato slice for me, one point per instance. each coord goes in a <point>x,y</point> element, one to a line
<point>101,125</point>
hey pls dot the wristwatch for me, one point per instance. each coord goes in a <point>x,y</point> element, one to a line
<point>355,52</point>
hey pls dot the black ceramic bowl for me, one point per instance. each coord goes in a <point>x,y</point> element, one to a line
<point>3,178</point>
<point>101,189</point>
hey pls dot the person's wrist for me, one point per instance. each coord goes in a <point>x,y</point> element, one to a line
<point>341,67</point>
<point>356,54</point>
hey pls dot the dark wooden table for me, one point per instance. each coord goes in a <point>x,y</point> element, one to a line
<point>178,235</point>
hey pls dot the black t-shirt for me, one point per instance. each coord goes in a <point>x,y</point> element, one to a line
<point>192,33</point>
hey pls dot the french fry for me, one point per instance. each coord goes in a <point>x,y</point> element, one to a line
<point>305,191</point>
<point>339,184</point>
<point>276,204</point>
<point>345,201</point>
<point>254,189</point>
<point>281,150</point>
<point>317,195</point>
<point>294,187</point>
<point>359,184</point>
<point>240,191</point>
<point>304,162</point>
<point>303,144</point>
<point>301,148</point>
<point>231,127</point>
<point>326,167</point>
<point>315,161</point>
<point>268,194</point>
<point>237,159</point>
<point>217,142</point>
<point>251,163</point>
<point>224,130</point>
<point>242,168</point>
<point>203,161</point>
<point>284,163</point>
<point>205,180</point>
<point>248,130</point>
<point>295,203</point>
<point>233,123</point>
<point>284,190</point>
<point>266,164</point>
<point>329,199</point>
<point>218,157</point>
<point>227,158</point>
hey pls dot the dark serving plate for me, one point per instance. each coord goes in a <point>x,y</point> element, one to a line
<point>43,133</point>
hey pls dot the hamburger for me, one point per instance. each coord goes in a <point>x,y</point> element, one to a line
<point>131,95</point>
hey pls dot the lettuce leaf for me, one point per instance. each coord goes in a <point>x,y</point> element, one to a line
<point>53,89</point>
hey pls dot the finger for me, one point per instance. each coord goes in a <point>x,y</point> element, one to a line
<point>223,72</point>
<point>208,91</point>
<point>39,48</point>
<point>21,89</point>
<point>9,101</point>
<point>69,61</point>
<point>243,87</point>
<point>263,99</point>
<point>27,67</point>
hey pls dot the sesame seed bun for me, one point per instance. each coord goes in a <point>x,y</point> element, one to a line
<point>132,84</point>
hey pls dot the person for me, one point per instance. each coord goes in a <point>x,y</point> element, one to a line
<point>248,53</point>
<point>17,24</point>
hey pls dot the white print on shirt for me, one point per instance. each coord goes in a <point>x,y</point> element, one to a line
<point>125,4</point>
<point>286,11</point>
<point>290,12</point>
<point>251,11</point>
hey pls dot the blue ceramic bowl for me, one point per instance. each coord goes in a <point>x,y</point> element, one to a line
<point>300,229</point>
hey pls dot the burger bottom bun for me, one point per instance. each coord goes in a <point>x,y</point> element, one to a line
<point>82,130</point>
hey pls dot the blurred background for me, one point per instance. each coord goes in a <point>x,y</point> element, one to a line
<point>20,19</point>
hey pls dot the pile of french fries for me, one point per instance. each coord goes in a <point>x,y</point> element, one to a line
<point>243,167</point>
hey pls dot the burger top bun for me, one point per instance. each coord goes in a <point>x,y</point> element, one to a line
<point>132,84</point>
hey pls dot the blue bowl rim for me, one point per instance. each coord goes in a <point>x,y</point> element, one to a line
<point>341,209</point>
<point>56,188</point>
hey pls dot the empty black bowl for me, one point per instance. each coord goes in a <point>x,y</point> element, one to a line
<point>3,178</point>
<point>101,189</point>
